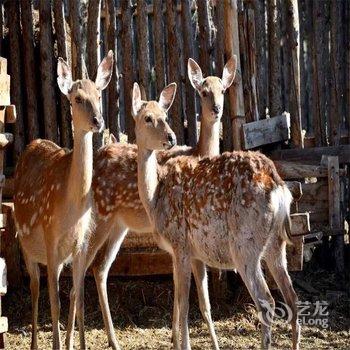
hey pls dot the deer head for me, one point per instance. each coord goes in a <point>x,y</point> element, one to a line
<point>151,127</point>
<point>85,95</point>
<point>212,89</point>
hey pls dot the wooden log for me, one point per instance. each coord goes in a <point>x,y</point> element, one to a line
<point>1,29</point>
<point>236,89</point>
<point>12,11</point>
<point>292,170</point>
<point>5,139</point>
<point>10,114</point>
<point>300,224</point>
<point>174,71</point>
<point>127,74</point>
<point>93,37</point>
<point>220,51</point>
<point>317,191</point>
<point>275,97</point>
<point>204,36</point>
<point>266,131</point>
<point>5,83</point>
<point>293,45</point>
<point>113,87</point>
<point>65,113</point>
<point>189,93</point>
<point>295,189</point>
<point>158,34</point>
<point>47,76</point>
<point>142,41</point>
<point>334,210</point>
<point>29,71</point>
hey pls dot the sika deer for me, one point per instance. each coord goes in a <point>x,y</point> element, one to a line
<point>228,212</point>
<point>53,197</point>
<point>117,201</point>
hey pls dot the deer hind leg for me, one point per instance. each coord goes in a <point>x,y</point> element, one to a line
<point>71,320</point>
<point>277,264</point>
<point>34,273</point>
<point>175,321</point>
<point>101,267</point>
<point>251,273</point>
<point>200,275</point>
<point>183,281</point>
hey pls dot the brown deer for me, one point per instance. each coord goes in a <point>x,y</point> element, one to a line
<point>117,202</point>
<point>228,212</point>
<point>53,197</point>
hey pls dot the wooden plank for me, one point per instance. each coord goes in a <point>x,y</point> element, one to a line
<point>3,277</point>
<point>5,139</point>
<point>3,324</point>
<point>312,155</point>
<point>291,170</point>
<point>300,224</point>
<point>4,89</point>
<point>295,254</point>
<point>3,219</point>
<point>10,114</point>
<point>266,131</point>
<point>295,188</point>
<point>204,36</point>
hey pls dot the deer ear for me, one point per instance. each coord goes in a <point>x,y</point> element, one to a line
<point>64,76</point>
<point>229,73</point>
<point>194,74</point>
<point>136,100</point>
<point>104,71</point>
<point>167,96</point>
<point>112,139</point>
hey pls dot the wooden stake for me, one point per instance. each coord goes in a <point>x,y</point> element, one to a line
<point>204,36</point>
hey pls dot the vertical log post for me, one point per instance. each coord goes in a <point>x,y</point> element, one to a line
<point>188,51</point>
<point>65,116</point>
<point>275,98</point>
<point>204,36</point>
<point>48,80</point>
<point>159,45</point>
<point>12,11</point>
<point>293,46</point>
<point>127,74</point>
<point>235,91</point>
<point>29,71</point>
<point>113,87</point>
<point>174,69</point>
<point>142,41</point>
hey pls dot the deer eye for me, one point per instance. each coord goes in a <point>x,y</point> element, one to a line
<point>148,119</point>
<point>78,99</point>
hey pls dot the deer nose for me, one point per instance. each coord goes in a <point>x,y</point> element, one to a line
<point>216,109</point>
<point>171,139</point>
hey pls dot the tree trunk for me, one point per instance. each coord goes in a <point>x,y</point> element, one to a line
<point>174,69</point>
<point>29,71</point>
<point>48,81</point>
<point>188,51</point>
<point>65,116</point>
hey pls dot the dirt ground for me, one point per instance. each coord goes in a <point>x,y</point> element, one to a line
<point>141,310</point>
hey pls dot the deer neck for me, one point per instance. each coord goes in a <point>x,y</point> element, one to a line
<point>80,176</point>
<point>209,137</point>
<point>147,178</point>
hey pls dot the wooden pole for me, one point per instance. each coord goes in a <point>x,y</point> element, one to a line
<point>93,37</point>
<point>159,45</point>
<point>174,69</point>
<point>48,80</point>
<point>275,97</point>
<point>12,11</point>
<point>29,71</point>
<point>188,51</point>
<point>65,113</point>
<point>204,36</point>
<point>143,49</point>
<point>293,45</point>
<point>236,90</point>
<point>113,87</point>
<point>127,74</point>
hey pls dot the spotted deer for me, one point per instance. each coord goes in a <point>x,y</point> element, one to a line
<point>228,212</point>
<point>118,206</point>
<point>53,197</point>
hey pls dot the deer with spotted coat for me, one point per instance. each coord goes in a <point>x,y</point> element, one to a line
<point>53,198</point>
<point>117,203</point>
<point>229,212</point>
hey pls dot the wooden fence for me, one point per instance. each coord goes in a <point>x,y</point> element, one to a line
<point>293,56</point>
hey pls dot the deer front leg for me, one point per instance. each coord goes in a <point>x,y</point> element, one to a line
<point>175,323</point>
<point>53,274</point>
<point>200,276</point>
<point>71,320</point>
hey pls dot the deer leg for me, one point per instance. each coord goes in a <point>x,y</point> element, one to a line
<point>79,268</point>
<point>175,323</point>
<point>254,280</point>
<point>53,274</point>
<point>34,273</point>
<point>200,276</point>
<point>183,276</point>
<point>71,320</point>
<point>101,267</point>
<point>277,264</point>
